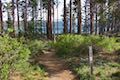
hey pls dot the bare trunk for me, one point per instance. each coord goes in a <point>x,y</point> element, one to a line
<point>1,17</point>
<point>44,21</point>
<point>49,27</point>
<point>18,18</point>
<point>70,16</point>
<point>96,19</point>
<point>65,21</point>
<point>13,17</point>
<point>35,18</point>
<point>91,17</point>
<point>79,17</point>
<point>53,19</point>
<point>57,17</point>
<point>41,16</point>
<point>25,18</point>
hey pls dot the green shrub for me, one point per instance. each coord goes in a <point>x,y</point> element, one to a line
<point>14,57</point>
<point>108,43</point>
<point>102,71</point>
<point>66,44</point>
<point>72,44</point>
<point>83,71</point>
<point>12,53</point>
<point>36,46</point>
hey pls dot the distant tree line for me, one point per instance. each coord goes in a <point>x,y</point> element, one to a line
<point>95,17</point>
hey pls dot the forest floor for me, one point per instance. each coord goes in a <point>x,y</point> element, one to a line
<point>56,68</point>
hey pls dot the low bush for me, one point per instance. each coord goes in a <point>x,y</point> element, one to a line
<point>73,44</point>
<point>12,53</point>
<point>73,48</point>
<point>36,46</point>
<point>66,44</point>
<point>14,56</point>
<point>103,71</point>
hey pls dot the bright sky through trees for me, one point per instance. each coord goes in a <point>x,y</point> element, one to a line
<point>60,8</point>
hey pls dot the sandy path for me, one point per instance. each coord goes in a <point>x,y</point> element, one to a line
<point>56,69</point>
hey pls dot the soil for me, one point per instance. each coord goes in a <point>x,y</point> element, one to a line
<point>56,68</point>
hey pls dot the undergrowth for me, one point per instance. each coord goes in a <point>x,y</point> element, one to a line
<point>78,44</point>
<point>74,48</point>
<point>14,57</point>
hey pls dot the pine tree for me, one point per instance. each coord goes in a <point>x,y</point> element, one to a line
<point>1,17</point>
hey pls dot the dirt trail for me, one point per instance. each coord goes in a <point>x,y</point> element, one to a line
<point>56,69</point>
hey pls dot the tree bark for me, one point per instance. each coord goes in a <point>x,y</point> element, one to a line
<point>49,27</point>
<point>25,18</point>
<point>18,18</point>
<point>70,16</point>
<point>41,16</point>
<point>13,17</point>
<point>79,17</point>
<point>96,20</point>
<point>53,19</point>
<point>57,18</point>
<point>65,20</point>
<point>91,17</point>
<point>1,17</point>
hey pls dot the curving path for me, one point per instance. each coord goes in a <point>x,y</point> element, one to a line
<point>56,69</point>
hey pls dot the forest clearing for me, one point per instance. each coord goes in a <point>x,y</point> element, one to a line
<point>59,40</point>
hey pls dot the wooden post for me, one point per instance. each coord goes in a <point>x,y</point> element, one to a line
<point>54,37</point>
<point>91,60</point>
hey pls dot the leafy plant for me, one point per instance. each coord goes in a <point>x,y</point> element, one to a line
<point>73,44</point>
<point>12,53</point>
<point>36,46</point>
<point>14,56</point>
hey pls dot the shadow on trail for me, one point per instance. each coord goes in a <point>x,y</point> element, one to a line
<point>56,68</point>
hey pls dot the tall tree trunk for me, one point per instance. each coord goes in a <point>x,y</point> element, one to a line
<point>96,20</point>
<point>86,18</point>
<point>41,17</point>
<point>79,17</point>
<point>101,25</point>
<point>18,18</point>
<point>91,17</point>
<point>1,17</point>
<point>13,17</point>
<point>49,27</point>
<point>112,23</point>
<point>44,21</point>
<point>33,18</point>
<point>53,20</point>
<point>65,20</point>
<point>107,16</point>
<point>57,18</point>
<point>70,16</point>
<point>54,28</point>
<point>25,18</point>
